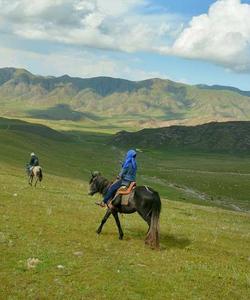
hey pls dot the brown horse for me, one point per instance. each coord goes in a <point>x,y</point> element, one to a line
<point>36,172</point>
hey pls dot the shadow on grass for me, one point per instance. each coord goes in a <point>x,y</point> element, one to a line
<point>167,241</point>
<point>61,112</point>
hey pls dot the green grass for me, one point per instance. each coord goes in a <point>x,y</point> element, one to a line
<point>214,179</point>
<point>106,126</point>
<point>204,250</point>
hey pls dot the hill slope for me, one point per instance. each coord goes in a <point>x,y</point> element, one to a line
<point>204,250</point>
<point>227,137</point>
<point>198,177</point>
<point>152,102</point>
<point>16,125</point>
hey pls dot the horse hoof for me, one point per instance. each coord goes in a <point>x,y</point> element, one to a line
<point>98,231</point>
<point>121,237</point>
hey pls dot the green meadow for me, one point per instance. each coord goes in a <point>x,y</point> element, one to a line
<point>204,221</point>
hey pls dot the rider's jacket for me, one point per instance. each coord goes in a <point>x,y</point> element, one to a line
<point>34,161</point>
<point>128,174</point>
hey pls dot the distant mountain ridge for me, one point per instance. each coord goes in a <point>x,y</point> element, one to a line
<point>101,85</point>
<point>218,137</point>
<point>150,103</point>
<point>222,87</point>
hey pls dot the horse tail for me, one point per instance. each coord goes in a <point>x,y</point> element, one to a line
<point>41,175</point>
<point>152,238</point>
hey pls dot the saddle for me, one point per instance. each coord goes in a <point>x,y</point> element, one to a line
<point>124,194</point>
<point>125,190</point>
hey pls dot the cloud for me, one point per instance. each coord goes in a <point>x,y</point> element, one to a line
<point>82,64</point>
<point>221,36</point>
<point>103,24</point>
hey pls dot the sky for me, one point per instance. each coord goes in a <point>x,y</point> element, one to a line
<point>189,41</point>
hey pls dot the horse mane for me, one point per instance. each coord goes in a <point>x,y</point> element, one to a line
<point>102,184</point>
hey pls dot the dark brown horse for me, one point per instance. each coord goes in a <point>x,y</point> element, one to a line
<point>145,201</point>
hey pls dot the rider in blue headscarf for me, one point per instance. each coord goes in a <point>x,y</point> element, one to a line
<point>129,168</point>
<point>125,177</point>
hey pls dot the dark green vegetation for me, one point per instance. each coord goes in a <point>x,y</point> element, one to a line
<point>230,137</point>
<point>148,103</point>
<point>60,112</point>
<point>204,250</point>
<point>15,125</point>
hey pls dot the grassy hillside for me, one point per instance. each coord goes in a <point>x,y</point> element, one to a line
<point>229,137</point>
<point>198,177</point>
<point>204,250</point>
<point>148,103</point>
<point>13,125</point>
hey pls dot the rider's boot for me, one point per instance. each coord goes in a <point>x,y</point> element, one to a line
<point>102,204</point>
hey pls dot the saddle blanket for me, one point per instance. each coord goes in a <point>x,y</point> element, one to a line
<point>125,198</point>
<point>124,194</point>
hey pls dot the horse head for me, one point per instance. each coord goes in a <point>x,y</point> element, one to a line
<point>93,183</point>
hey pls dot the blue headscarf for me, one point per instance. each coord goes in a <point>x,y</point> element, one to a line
<point>130,158</point>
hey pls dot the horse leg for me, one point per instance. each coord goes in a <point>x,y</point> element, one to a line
<point>115,214</point>
<point>31,180</point>
<point>104,220</point>
<point>146,218</point>
<point>148,240</point>
<point>36,181</point>
<point>152,238</point>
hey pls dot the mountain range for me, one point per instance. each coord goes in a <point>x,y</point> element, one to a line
<point>148,103</point>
